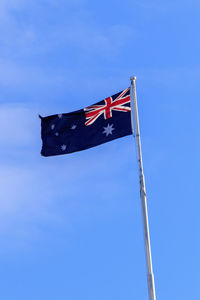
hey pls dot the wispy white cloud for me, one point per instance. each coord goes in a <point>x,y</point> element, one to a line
<point>90,38</point>
<point>7,6</point>
<point>26,45</point>
<point>36,190</point>
<point>57,194</point>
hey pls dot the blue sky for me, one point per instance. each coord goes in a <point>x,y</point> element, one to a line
<point>71,226</point>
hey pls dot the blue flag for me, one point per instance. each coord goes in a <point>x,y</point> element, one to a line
<point>100,123</point>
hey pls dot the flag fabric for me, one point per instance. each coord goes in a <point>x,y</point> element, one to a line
<point>102,122</point>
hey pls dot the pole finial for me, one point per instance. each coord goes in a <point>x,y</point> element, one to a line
<point>133,78</point>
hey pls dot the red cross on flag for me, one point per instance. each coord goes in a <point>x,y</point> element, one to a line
<point>95,111</point>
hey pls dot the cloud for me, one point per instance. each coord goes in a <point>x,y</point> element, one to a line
<point>58,190</point>
<point>31,41</point>
<point>7,6</point>
<point>92,39</point>
<point>79,30</point>
<point>61,193</point>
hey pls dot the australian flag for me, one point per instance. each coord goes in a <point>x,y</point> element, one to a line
<point>100,123</point>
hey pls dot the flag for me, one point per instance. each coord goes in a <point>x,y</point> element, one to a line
<point>100,123</point>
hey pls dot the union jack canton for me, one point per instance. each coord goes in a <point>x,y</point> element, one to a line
<point>102,122</point>
<point>95,111</point>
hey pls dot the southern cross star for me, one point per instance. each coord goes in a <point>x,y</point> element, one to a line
<point>73,127</point>
<point>63,147</point>
<point>108,130</point>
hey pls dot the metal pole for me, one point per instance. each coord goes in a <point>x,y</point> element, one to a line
<point>150,276</point>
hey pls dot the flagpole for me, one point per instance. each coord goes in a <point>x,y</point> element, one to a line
<point>150,276</point>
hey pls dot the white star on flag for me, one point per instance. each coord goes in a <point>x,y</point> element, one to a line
<point>63,147</point>
<point>73,127</point>
<point>108,130</point>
